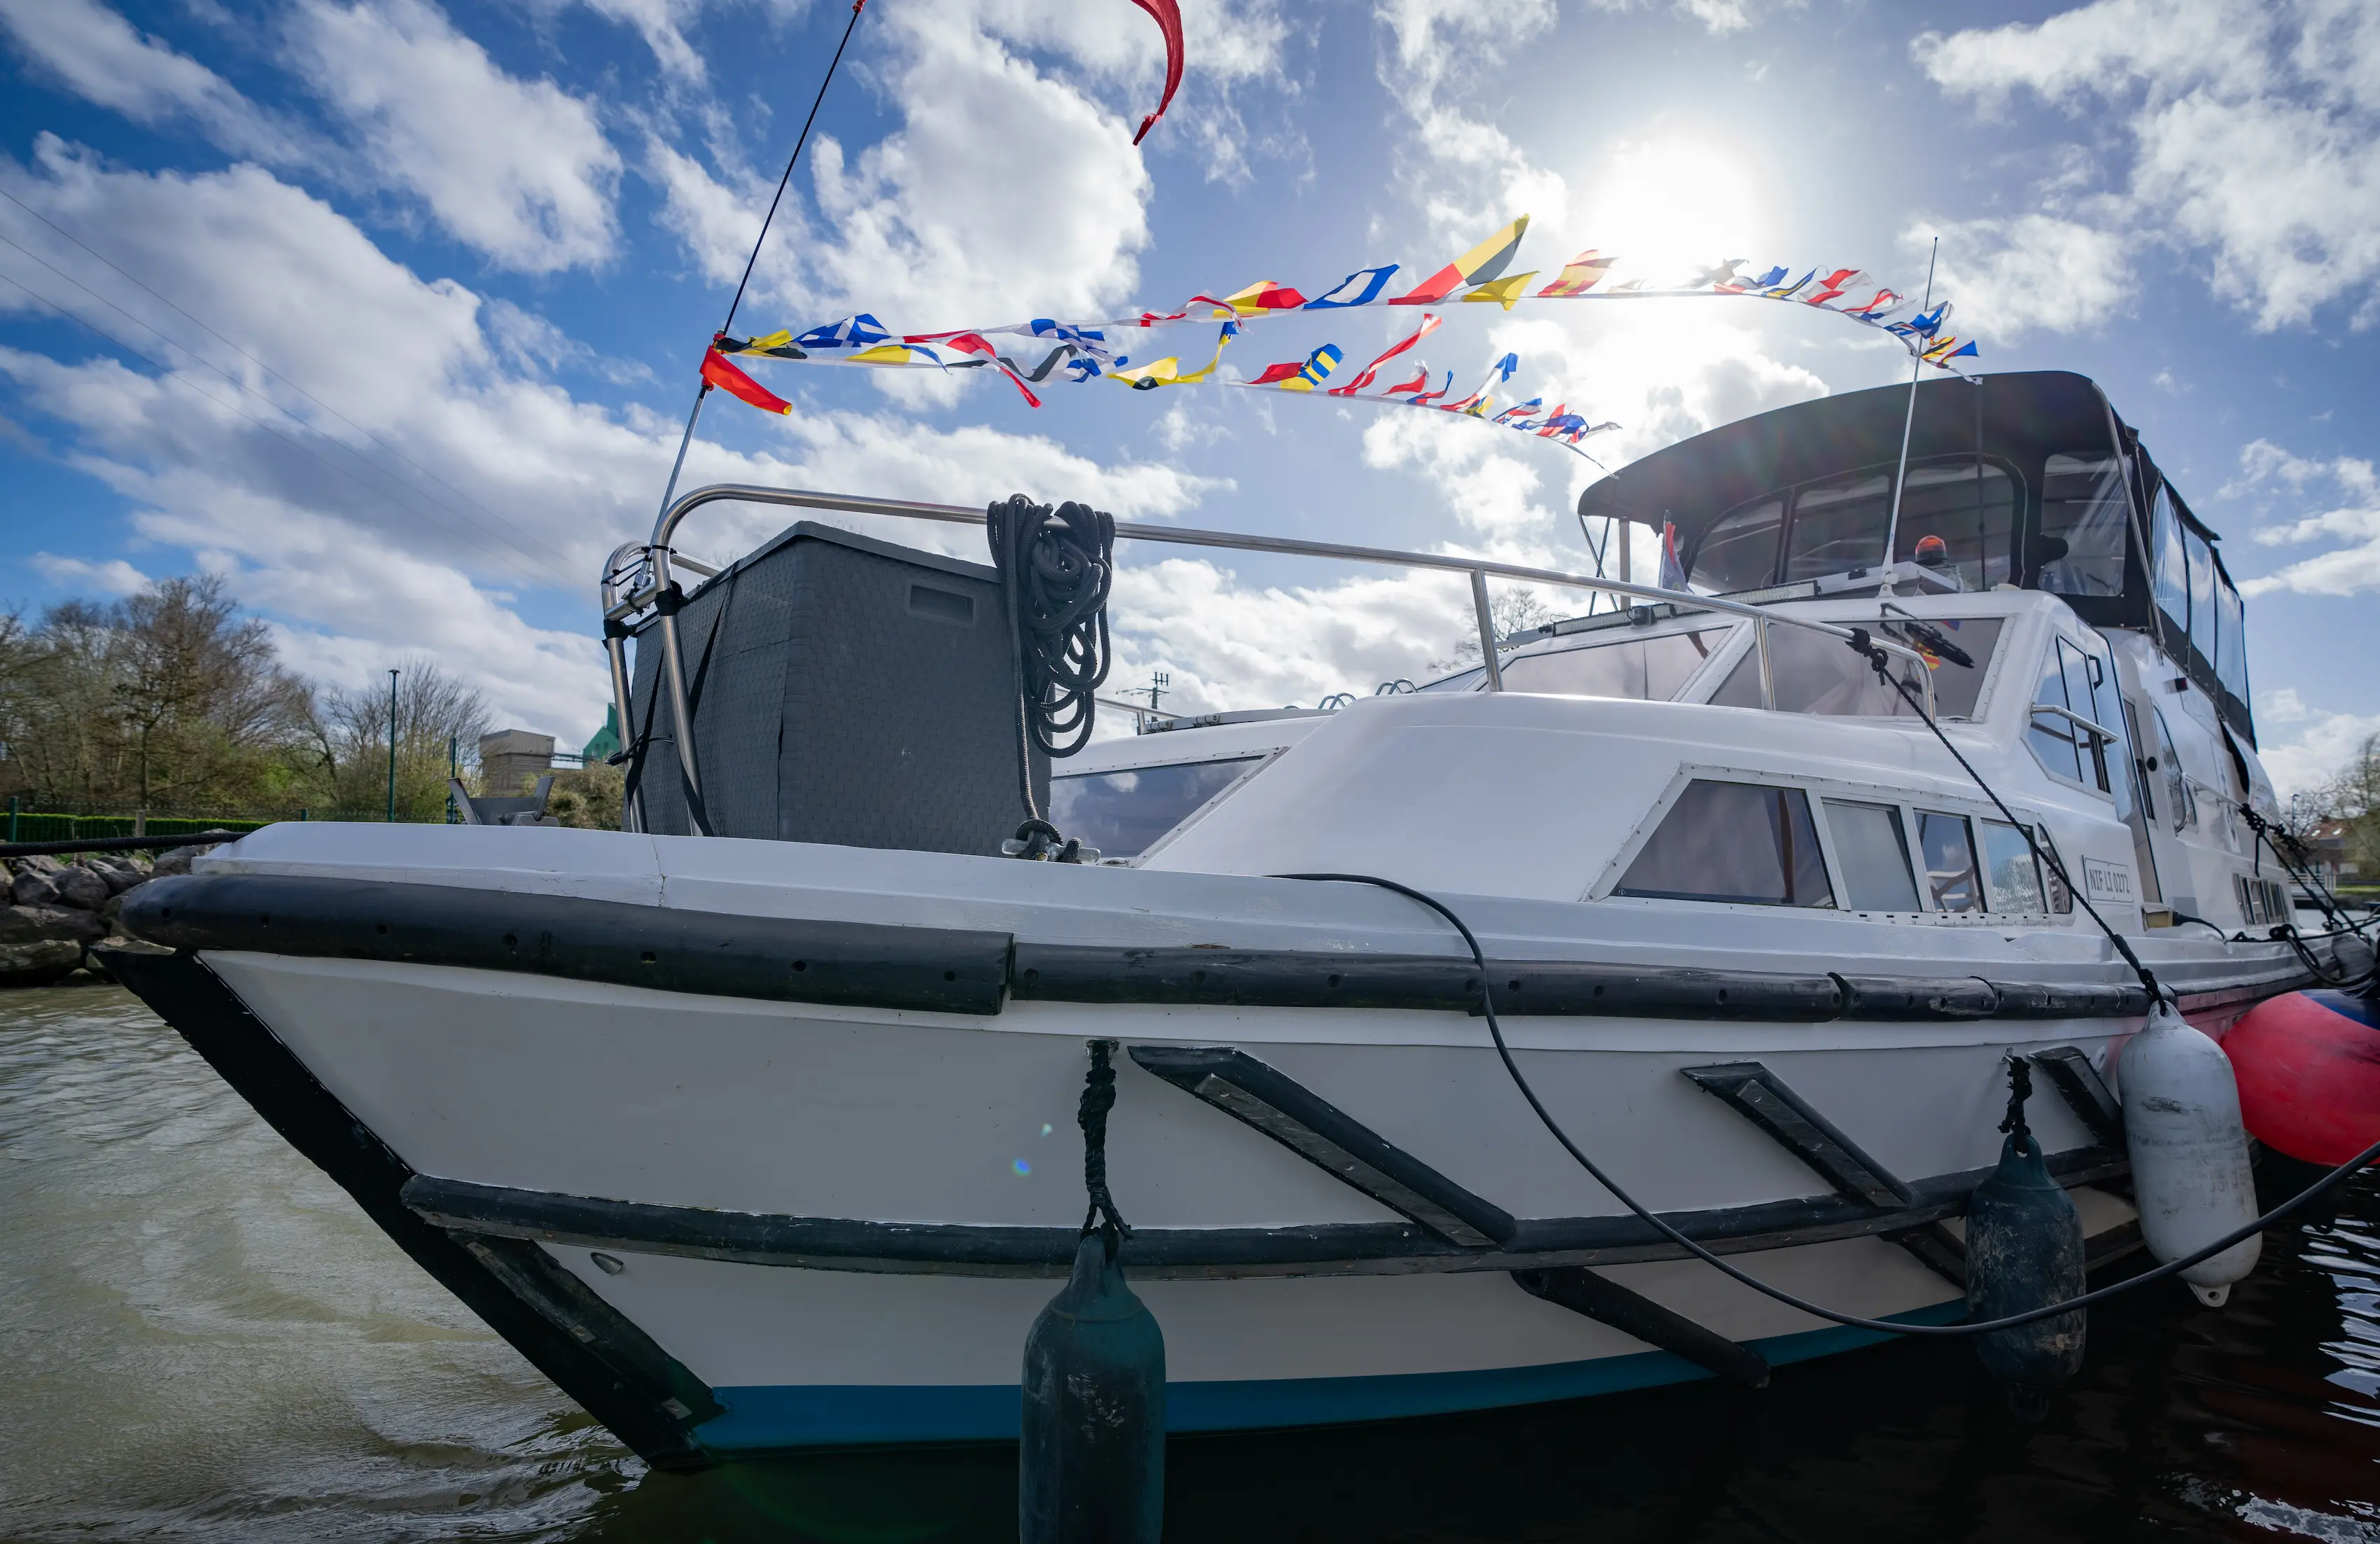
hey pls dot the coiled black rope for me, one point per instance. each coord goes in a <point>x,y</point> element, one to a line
<point>1099,1098</point>
<point>1886,1326</point>
<point>1056,569</point>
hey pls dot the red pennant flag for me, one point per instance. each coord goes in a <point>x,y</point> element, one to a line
<point>1167,14</point>
<point>717,372</point>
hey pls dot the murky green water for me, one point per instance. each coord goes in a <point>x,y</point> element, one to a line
<point>201,1338</point>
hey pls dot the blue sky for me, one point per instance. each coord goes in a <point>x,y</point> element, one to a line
<point>403,304</point>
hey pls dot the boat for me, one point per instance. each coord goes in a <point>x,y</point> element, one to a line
<point>756,1126</point>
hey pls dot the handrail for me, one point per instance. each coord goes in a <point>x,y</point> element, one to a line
<point>2100,729</point>
<point>657,556</point>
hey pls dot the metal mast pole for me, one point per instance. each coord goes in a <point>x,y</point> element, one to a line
<point>392,748</point>
<point>1900,477</point>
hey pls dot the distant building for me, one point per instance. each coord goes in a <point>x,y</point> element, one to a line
<point>510,758</point>
<point>606,743</point>
<point>2331,864</point>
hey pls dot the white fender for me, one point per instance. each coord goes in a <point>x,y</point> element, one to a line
<point>2191,1177</point>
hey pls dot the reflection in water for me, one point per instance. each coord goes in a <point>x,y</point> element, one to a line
<point>204,1340</point>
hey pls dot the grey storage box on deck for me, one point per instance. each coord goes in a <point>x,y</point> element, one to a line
<point>844,690</point>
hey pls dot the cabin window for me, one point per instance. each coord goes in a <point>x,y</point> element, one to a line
<point>2085,510</point>
<point>1733,842</point>
<point>2201,597</point>
<point>1817,673</point>
<point>2064,748</point>
<point>1649,669</point>
<point>2230,639</point>
<point>1872,850</point>
<point>2061,900</point>
<point>1740,551</point>
<point>1950,854</point>
<point>2011,877</point>
<point>1839,525</point>
<point>1124,813</point>
<point>2181,810</point>
<point>2172,566</point>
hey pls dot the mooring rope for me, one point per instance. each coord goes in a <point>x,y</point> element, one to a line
<point>1099,1098</point>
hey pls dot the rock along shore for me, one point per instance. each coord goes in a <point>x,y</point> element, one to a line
<point>53,913</point>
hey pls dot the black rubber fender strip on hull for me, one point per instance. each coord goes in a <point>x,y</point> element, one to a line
<point>1178,1254</point>
<point>1606,1301</point>
<point>1311,1126</point>
<point>666,948</point>
<point>618,1390</point>
<point>1761,1097</point>
<point>970,971</point>
<point>2078,1084</point>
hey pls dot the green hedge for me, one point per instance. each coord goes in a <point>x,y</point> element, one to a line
<point>41,826</point>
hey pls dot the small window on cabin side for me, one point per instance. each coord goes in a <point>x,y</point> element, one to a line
<point>1739,552</point>
<point>1733,842</point>
<point>2172,585</point>
<point>1123,813</point>
<point>2011,878</point>
<point>2061,899</point>
<point>1649,669</point>
<point>2201,597</point>
<point>2062,746</point>
<point>1815,673</point>
<point>2085,510</point>
<point>2181,810</point>
<point>2231,640</point>
<point>1950,854</point>
<point>1873,852</point>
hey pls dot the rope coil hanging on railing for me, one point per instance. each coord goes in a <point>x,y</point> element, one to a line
<point>1056,569</point>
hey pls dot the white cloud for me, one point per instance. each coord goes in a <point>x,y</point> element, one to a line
<point>1717,16</point>
<point>2321,747</point>
<point>2353,519</point>
<point>95,53</point>
<point>114,577</point>
<point>661,23</point>
<point>518,169</point>
<point>386,501</point>
<point>2255,129</point>
<point>2033,272</point>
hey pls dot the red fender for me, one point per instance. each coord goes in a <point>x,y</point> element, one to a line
<point>2309,1069</point>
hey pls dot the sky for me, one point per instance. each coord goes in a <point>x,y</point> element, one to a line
<point>390,313</point>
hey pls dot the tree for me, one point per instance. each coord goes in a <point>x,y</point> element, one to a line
<point>165,698</point>
<point>1510,611</point>
<point>437,715</point>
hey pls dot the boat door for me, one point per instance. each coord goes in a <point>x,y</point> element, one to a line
<point>2164,806</point>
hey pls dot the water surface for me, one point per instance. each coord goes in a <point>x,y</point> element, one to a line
<point>201,1338</point>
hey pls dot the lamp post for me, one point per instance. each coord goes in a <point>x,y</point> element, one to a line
<point>392,748</point>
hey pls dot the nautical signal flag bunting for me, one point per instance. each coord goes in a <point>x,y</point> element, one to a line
<point>1044,348</point>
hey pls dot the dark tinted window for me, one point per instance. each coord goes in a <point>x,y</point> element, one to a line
<point>1740,551</point>
<point>1122,813</point>
<point>1733,842</point>
<point>1650,669</point>
<point>2231,641</point>
<point>2201,596</point>
<point>2172,569</point>
<point>1818,673</point>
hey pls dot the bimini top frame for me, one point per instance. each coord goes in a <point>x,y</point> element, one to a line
<point>638,576</point>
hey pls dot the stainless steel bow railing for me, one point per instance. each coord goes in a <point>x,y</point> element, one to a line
<point>636,575</point>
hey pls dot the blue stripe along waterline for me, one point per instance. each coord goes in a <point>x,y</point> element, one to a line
<point>764,1418</point>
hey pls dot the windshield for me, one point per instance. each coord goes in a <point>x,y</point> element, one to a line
<point>1649,669</point>
<point>1815,674</point>
<point>1124,813</point>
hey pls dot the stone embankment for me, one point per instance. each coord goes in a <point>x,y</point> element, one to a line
<point>55,913</point>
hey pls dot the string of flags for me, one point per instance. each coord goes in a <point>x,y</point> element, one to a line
<point>1047,350</point>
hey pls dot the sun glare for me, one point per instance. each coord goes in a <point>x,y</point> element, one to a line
<point>1669,207</point>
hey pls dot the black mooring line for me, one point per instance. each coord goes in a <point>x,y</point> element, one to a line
<point>1333,1141</point>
